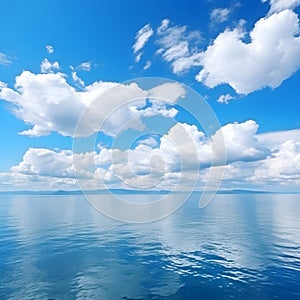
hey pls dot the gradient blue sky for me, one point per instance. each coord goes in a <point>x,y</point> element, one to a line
<point>95,39</point>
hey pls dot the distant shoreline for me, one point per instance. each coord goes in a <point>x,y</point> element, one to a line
<point>128,192</point>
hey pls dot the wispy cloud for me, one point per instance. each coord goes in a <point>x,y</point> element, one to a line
<point>141,38</point>
<point>147,65</point>
<point>220,15</point>
<point>178,46</point>
<point>77,79</point>
<point>85,66</point>
<point>4,59</point>
<point>138,57</point>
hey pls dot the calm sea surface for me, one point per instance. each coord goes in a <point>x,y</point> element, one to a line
<point>239,247</point>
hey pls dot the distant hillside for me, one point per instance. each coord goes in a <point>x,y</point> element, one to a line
<point>241,192</point>
<point>133,192</point>
<point>79,192</point>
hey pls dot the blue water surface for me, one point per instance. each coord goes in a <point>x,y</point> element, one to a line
<point>242,246</point>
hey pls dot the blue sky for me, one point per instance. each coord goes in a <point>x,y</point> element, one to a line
<point>241,56</point>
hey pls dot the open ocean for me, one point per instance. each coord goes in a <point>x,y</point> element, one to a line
<point>242,246</point>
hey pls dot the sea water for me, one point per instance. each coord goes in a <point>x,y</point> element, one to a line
<point>241,246</point>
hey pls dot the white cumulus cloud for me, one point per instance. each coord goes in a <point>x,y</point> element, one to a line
<point>171,91</point>
<point>241,143</point>
<point>252,161</point>
<point>45,162</point>
<point>272,55</point>
<point>48,67</point>
<point>263,161</point>
<point>282,167</point>
<point>49,49</point>
<point>280,5</point>
<point>49,103</point>
<point>225,98</point>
